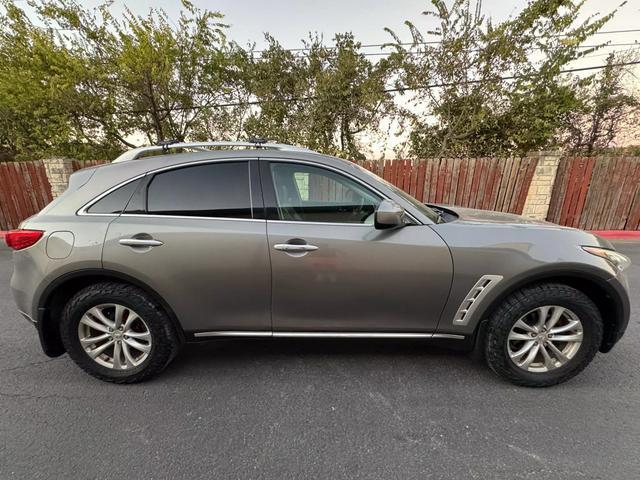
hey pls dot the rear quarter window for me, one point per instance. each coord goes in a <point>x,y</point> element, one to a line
<point>116,201</point>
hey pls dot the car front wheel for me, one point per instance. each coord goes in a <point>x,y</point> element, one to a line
<point>543,335</point>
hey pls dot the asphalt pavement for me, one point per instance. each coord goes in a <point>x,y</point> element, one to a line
<point>293,409</point>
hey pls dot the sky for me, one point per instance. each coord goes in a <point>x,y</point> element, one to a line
<point>289,21</point>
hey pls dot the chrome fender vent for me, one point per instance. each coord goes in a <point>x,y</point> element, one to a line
<point>473,298</point>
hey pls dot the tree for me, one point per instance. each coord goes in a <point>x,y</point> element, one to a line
<point>605,106</point>
<point>483,88</point>
<point>82,83</point>
<point>325,98</point>
<point>123,81</point>
<point>38,79</point>
<point>153,77</point>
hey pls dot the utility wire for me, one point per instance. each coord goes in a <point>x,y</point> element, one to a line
<point>513,77</point>
<point>436,42</point>
<point>386,90</point>
<point>378,54</point>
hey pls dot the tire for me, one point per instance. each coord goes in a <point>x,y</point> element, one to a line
<point>528,304</point>
<point>157,338</point>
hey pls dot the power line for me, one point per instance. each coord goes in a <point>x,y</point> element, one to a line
<point>386,90</point>
<point>628,50</point>
<point>436,42</point>
<point>608,45</point>
<point>513,77</point>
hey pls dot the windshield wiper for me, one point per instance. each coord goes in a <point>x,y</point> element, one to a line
<point>439,213</point>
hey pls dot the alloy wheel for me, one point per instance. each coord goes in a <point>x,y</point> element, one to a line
<point>114,336</point>
<point>545,338</point>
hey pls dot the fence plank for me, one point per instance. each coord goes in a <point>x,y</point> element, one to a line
<point>11,207</point>
<point>479,183</point>
<point>421,180</point>
<point>599,187</point>
<point>508,182</point>
<point>600,200</point>
<point>558,190</point>
<point>578,179</point>
<point>630,221</point>
<point>5,220</point>
<point>517,185</point>
<point>507,167</point>
<point>619,213</point>
<point>406,181</point>
<point>633,223</point>
<point>475,183</point>
<point>592,195</point>
<point>475,171</point>
<point>413,184</point>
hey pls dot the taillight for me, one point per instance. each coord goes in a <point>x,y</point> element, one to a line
<point>19,239</point>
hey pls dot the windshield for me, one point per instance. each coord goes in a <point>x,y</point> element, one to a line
<point>431,214</point>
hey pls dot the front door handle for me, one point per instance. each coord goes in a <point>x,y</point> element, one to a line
<point>290,247</point>
<point>140,242</point>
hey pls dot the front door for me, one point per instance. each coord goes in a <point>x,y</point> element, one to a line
<point>332,271</point>
<point>197,236</point>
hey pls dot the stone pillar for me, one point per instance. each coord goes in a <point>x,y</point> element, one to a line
<point>58,172</point>
<point>539,195</point>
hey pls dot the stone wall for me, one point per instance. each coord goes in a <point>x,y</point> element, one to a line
<point>58,172</point>
<point>539,196</point>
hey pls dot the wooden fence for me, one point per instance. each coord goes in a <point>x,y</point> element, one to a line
<point>601,193</point>
<point>24,190</point>
<point>591,193</point>
<point>499,184</point>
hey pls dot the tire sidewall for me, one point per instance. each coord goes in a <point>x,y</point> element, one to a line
<point>129,297</point>
<point>504,320</point>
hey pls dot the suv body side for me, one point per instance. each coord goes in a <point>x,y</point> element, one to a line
<point>470,250</point>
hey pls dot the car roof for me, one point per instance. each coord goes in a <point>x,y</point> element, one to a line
<point>94,180</point>
<point>121,171</point>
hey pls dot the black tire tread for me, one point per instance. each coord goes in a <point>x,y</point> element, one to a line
<point>502,319</point>
<point>166,341</point>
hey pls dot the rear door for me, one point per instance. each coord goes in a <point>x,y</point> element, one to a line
<point>197,235</point>
<point>333,271</point>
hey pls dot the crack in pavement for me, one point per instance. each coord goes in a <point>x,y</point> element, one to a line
<point>27,365</point>
<point>30,396</point>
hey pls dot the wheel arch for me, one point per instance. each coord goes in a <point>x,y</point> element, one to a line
<point>59,292</point>
<point>613,306</point>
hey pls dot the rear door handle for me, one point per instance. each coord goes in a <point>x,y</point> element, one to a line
<point>289,247</point>
<point>140,242</point>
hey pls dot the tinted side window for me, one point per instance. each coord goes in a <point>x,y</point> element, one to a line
<point>116,200</point>
<point>212,190</point>
<point>311,194</point>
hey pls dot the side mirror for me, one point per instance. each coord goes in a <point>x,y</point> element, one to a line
<point>389,215</point>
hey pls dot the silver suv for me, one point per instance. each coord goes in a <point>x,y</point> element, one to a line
<point>144,254</point>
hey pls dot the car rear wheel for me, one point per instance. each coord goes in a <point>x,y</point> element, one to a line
<point>117,333</point>
<point>543,335</point>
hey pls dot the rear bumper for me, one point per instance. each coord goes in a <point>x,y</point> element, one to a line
<point>21,297</point>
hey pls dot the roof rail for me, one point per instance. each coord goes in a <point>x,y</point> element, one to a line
<point>167,145</point>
